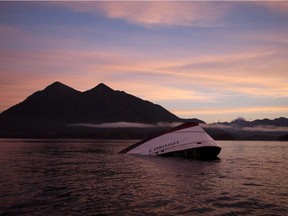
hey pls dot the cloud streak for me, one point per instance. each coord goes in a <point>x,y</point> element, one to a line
<point>278,6</point>
<point>258,128</point>
<point>125,125</point>
<point>235,110</point>
<point>168,13</point>
<point>121,71</point>
<point>194,58</point>
<point>159,13</point>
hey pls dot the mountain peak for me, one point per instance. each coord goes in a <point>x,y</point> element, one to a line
<point>59,87</point>
<point>56,84</point>
<point>101,88</point>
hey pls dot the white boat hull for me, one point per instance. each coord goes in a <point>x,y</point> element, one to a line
<point>188,139</point>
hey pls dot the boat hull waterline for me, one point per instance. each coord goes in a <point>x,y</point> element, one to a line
<point>185,140</point>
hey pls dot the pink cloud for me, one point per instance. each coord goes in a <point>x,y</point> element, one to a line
<point>279,6</point>
<point>151,13</point>
<point>233,110</point>
<point>85,69</point>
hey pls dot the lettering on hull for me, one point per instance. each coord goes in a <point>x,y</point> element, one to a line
<point>187,139</point>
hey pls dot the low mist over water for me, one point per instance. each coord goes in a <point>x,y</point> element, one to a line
<point>77,177</point>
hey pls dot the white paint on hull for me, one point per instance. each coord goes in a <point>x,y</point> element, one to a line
<point>188,136</point>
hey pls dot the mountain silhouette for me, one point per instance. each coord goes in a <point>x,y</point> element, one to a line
<point>260,129</point>
<point>60,103</point>
<point>55,104</point>
<point>52,109</point>
<point>59,111</point>
<point>241,122</point>
<point>103,104</point>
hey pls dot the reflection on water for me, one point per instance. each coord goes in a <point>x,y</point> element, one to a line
<point>77,177</point>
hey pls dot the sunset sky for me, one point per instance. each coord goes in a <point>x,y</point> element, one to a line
<point>215,61</point>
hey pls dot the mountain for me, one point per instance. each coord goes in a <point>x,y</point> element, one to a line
<point>241,122</point>
<point>57,107</point>
<point>260,129</point>
<point>54,104</point>
<point>60,103</point>
<point>59,111</point>
<point>103,104</point>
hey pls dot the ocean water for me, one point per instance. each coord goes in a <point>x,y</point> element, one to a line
<point>86,177</point>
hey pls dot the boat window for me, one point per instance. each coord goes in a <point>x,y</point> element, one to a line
<point>199,142</point>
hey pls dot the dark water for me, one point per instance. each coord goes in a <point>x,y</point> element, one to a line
<point>89,178</point>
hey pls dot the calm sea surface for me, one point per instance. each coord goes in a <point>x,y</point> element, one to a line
<point>80,177</point>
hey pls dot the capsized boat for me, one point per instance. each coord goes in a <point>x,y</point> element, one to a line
<point>185,140</point>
